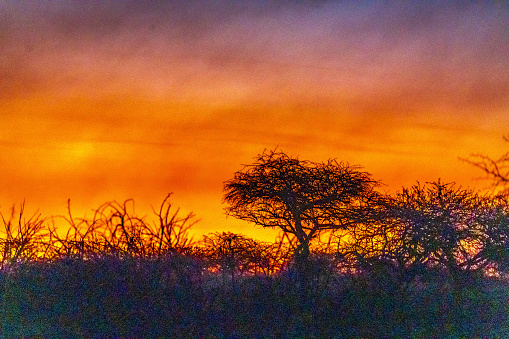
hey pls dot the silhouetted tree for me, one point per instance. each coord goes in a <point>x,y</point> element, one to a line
<point>497,170</point>
<point>231,252</point>
<point>21,237</point>
<point>115,229</point>
<point>269,258</point>
<point>435,227</point>
<point>429,226</point>
<point>492,249</point>
<point>170,233</point>
<point>300,197</point>
<point>441,229</point>
<point>377,251</point>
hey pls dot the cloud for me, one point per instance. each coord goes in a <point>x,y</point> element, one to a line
<point>176,95</point>
<point>243,52</point>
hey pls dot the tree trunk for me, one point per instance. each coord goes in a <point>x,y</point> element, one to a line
<point>302,267</point>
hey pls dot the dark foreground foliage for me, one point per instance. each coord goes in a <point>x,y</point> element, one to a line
<point>430,261</point>
<point>174,297</point>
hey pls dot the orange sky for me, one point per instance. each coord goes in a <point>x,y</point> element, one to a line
<point>117,99</point>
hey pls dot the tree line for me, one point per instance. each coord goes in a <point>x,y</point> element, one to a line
<point>116,231</point>
<point>350,261</point>
<point>436,226</point>
<point>330,209</point>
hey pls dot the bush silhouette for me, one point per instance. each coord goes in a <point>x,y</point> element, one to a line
<point>120,275</point>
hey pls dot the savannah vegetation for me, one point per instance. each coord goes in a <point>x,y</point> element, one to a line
<point>431,260</point>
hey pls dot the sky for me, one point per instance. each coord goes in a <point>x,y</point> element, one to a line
<point>111,100</point>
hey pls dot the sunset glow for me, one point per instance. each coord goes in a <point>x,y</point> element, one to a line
<point>113,100</point>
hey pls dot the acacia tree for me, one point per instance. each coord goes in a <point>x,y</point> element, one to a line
<point>300,197</point>
<point>438,225</point>
<point>497,170</point>
<point>231,252</point>
<point>492,251</point>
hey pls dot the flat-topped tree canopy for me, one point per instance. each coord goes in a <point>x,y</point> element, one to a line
<point>299,196</point>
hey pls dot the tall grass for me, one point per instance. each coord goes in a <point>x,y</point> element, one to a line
<point>174,296</point>
<point>120,276</point>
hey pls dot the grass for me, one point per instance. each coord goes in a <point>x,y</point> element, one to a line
<point>121,276</point>
<point>173,296</point>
